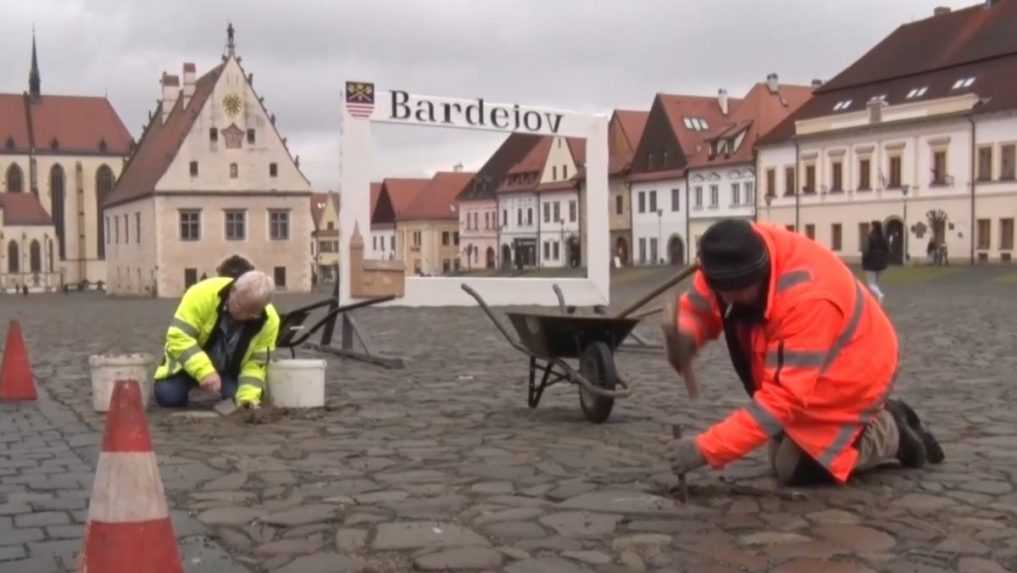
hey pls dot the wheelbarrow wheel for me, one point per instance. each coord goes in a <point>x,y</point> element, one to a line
<point>597,365</point>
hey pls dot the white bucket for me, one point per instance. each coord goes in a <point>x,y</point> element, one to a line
<point>297,382</point>
<point>108,368</point>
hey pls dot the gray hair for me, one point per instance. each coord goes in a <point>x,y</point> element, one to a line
<point>254,287</point>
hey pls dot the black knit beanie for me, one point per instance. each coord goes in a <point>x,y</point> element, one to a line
<point>733,255</point>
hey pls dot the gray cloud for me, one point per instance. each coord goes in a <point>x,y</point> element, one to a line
<point>581,54</point>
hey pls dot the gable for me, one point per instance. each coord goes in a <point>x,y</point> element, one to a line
<point>559,165</point>
<point>658,141</point>
<point>219,140</point>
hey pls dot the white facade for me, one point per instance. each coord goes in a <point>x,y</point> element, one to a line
<point>659,220</point>
<point>722,193</point>
<point>478,232</point>
<point>903,186</point>
<point>559,222</point>
<point>518,212</point>
<point>383,241</point>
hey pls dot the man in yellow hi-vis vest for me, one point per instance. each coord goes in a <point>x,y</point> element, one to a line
<point>220,338</point>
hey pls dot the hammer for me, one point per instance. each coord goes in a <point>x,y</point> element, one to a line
<point>683,488</point>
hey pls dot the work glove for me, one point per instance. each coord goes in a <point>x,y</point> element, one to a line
<point>684,455</point>
<point>249,403</point>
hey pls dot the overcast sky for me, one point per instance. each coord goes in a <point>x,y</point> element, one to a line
<point>578,54</point>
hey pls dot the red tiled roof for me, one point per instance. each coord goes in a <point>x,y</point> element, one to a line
<point>758,113</point>
<point>23,209</point>
<point>14,123</point>
<point>437,199</point>
<point>624,132</point>
<point>318,203</point>
<point>633,123</point>
<point>679,107</point>
<point>983,31</point>
<point>933,53</point>
<point>534,160</point>
<point>395,198</point>
<point>567,185</point>
<point>489,179</point>
<point>78,125</point>
<point>577,145</point>
<point>160,143</point>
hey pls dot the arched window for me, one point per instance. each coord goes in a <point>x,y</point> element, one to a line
<point>103,187</point>
<point>13,257</point>
<point>15,179</point>
<point>56,193</point>
<point>35,256</point>
<point>49,254</point>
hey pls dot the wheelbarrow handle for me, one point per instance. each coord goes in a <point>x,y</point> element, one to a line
<point>575,376</point>
<point>497,323</point>
<point>684,274</point>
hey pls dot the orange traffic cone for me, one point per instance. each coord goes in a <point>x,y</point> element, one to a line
<point>129,527</point>
<point>16,373</point>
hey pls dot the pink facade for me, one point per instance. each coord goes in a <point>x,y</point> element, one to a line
<point>478,233</point>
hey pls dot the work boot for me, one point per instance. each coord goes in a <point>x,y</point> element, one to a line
<point>911,449</point>
<point>932,448</point>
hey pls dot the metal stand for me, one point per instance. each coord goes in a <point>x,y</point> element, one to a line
<point>351,332</point>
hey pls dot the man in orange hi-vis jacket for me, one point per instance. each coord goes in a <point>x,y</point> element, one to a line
<point>813,349</point>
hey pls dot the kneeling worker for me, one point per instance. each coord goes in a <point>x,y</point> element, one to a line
<point>813,349</point>
<point>220,338</point>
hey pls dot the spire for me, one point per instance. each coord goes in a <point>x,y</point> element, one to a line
<point>33,76</point>
<point>231,46</point>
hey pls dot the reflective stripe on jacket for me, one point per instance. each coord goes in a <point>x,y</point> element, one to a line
<point>192,327</point>
<point>822,361</point>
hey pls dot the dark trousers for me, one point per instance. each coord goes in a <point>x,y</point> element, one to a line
<point>172,392</point>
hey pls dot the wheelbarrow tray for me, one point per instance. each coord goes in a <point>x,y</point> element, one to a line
<point>558,336</point>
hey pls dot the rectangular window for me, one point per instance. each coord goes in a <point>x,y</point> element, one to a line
<point>653,251</point>
<point>864,175</point>
<point>554,173</point>
<point>714,196</point>
<point>939,167</point>
<point>529,216</point>
<point>557,211</point>
<point>391,242</point>
<point>236,225</point>
<point>653,201</point>
<point>107,230</point>
<point>984,234</point>
<point>234,171</point>
<point>699,197</point>
<point>213,135</point>
<point>190,277</point>
<point>573,211</point>
<point>642,250</point>
<point>985,163</point>
<point>547,212</point>
<point>1008,162</point>
<point>273,170</point>
<point>895,172</point>
<point>557,251</point>
<point>835,237</point>
<point>137,228</point>
<point>736,194</point>
<point>810,231</point>
<point>279,273</point>
<point>750,192</point>
<point>116,229</point>
<point>1006,234</point>
<point>519,217</point>
<point>837,177</point>
<point>771,182</point>
<point>444,238</point>
<point>810,178</point>
<point>455,238</point>
<point>863,237</point>
<point>446,265</point>
<point>676,199</point>
<point>190,225</point>
<point>250,136</point>
<point>619,204</point>
<point>504,217</point>
<point>642,201</point>
<point>194,169</point>
<point>789,181</point>
<point>547,250</point>
<point>279,226</point>
<point>564,171</point>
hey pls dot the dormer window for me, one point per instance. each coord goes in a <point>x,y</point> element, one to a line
<point>842,105</point>
<point>696,124</point>
<point>963,83</point>
<point>102,145</point>
<point>917,92</point>
<point>9,143</point>
<point>54,144</point>
<point>688,123</point>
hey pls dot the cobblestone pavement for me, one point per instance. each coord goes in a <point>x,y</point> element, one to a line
<point>441,466</point>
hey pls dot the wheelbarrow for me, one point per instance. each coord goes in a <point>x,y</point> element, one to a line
<point>550,339</point>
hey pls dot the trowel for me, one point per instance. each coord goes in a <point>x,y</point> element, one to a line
<point>226,407</point>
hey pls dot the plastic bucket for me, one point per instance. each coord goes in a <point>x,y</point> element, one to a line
<point>106,369</point>
<point>297,382</point>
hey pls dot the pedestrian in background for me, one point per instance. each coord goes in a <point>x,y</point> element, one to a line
<point>875,258</point>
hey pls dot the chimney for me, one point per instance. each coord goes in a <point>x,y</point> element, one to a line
<point>876,106</point>
<point>188,90</point>
<point>457,168</point>
<point>170,91</point>
<point>817,83</point>
<point>722,100</point>
<point>940,10</point>
<point>772,83</point>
